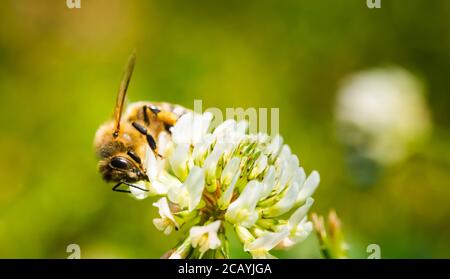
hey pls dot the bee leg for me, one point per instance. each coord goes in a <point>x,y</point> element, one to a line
<point>120,190</point>
<point>168,118</point>
<point>154,109</point>
<point>134,186</point>
<point>150,140</point>
<point>144,111</point>
<point>126,191</point>
<point>167,127</point>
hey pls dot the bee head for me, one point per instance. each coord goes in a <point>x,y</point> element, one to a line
<point>119,156</point>
<point>122,167</point>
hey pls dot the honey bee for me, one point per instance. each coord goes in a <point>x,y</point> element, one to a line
<point>121,142</point>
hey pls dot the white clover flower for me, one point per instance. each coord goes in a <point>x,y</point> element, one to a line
<point>382,114</point>
<point>260,247</point>
<point>205,237</point>
<point>298,226</point>
<point>243,210</point>
<point>167,222</point>
<point>190,193</point>
<point>207,178</point>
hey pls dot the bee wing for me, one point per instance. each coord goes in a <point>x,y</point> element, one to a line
<point>123,91</point>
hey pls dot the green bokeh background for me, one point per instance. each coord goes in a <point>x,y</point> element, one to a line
<point>60,69</point>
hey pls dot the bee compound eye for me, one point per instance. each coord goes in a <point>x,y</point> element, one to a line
<point>120,163</point>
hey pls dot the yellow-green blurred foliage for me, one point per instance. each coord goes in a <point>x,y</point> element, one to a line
<point>60,69</point>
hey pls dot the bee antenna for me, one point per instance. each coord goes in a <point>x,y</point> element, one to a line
<point>123,91</point>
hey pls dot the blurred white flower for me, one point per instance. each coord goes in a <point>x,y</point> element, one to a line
<point>207,179</point>
<point>383,114</point>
